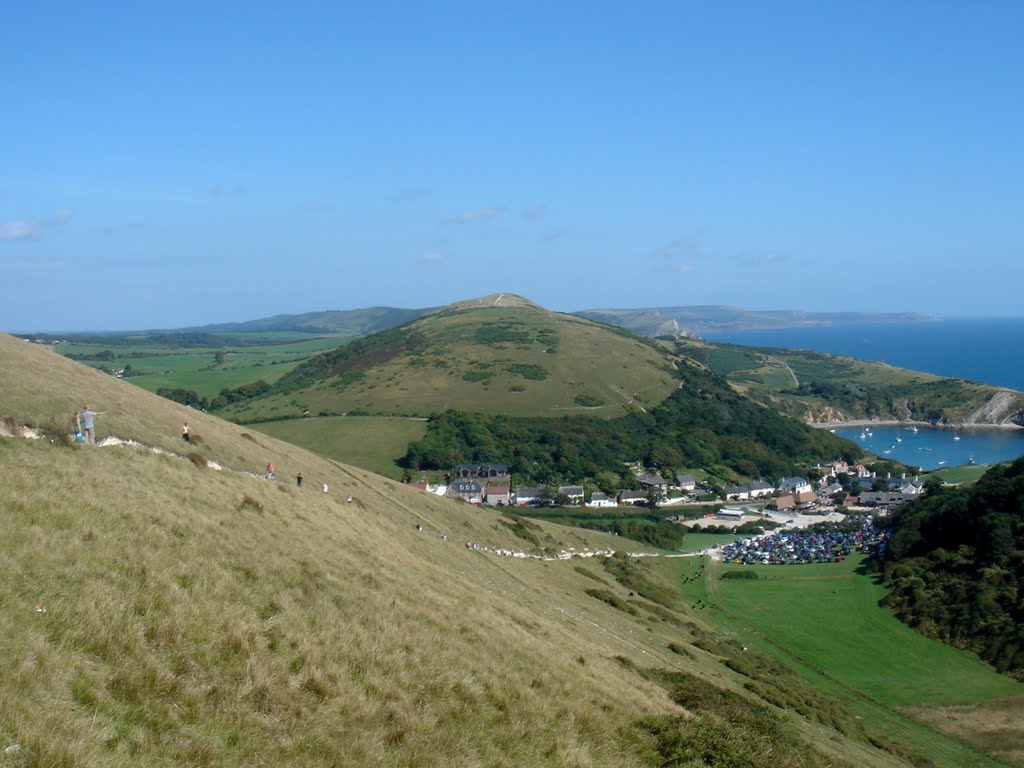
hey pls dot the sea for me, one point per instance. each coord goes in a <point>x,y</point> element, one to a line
<point>987,350</point>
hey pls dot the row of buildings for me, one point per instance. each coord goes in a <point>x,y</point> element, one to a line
<point>491,484</point>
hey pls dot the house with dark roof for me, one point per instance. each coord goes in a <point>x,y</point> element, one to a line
<point>526,496</point>
<point>686,483</point>
<point>466,490</point>
<point>794,485</point>
<point>600,499</point>
<point>632,497</point>
<point>573,492</point>
<point>653,481</point>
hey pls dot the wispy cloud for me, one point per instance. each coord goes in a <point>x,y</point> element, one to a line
<point>219,191</point>
<point>479,214</point>
<point>767,258</point>
<point>432,257</point>
<point>552,234</point>
<point>670,268</point>
<point>535,212</point>
<point>24,229</point>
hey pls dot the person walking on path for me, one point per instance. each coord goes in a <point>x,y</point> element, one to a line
<point>88,424</point>
<point>185,435</point>
<point>298,480</point>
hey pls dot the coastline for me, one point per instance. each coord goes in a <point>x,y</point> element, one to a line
<point>897,423</point>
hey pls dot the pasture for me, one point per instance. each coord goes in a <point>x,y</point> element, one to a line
<point>369,442</point>
<point>824,621</point>
<point>207,370</point>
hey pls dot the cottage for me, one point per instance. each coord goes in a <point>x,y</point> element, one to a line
<point>686,483</point>
<point>737,492</point>
<point>654,481</point>
<point>600,499</point>
<point>495,495</point>
<point>632,497</point>
<point>794,485</point>
<point>573,492</point>
<point>526,496</point>
<point>466,490</point>
<point>760,488</point>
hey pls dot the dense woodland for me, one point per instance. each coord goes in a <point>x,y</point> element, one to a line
<point>704,423</point>
<point>955,564</point>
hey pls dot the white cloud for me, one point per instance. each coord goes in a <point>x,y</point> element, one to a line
<point>23,229</point>
<point>433,256</point>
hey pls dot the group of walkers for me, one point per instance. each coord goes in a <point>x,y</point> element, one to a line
<point>85,432</point>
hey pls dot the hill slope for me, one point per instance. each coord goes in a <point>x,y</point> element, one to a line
<point>500,354</point>
<point>819,387</point>
<point>159,611</point>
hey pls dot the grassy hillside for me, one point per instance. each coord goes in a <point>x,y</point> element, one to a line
<point>513,358</point>
<point>819,387</point>
<point>157,610</point>
<point>369,442</point>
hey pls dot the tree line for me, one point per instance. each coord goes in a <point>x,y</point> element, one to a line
<point>955,565</point>
<point>704,423</point>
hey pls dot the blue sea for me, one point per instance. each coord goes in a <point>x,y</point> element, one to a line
<point>986,350</point>
<point>983,350</point>
<point>931,448</point>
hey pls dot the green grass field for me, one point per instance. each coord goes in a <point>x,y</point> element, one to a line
<point>195,368</point>
<point>824,621</point>
<point>369,442</point>
<point>828,616</point>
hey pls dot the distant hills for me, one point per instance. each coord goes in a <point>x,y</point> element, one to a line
<point>697,320</point>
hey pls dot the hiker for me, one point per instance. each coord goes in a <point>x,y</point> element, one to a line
<point>185,433</point>
<point>271,472</point>
<point>78,427</point>
<point>298,480</point>
<point>88,423</point>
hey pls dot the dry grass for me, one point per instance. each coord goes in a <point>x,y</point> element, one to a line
<point>991,726</point>
<point>178,626</point>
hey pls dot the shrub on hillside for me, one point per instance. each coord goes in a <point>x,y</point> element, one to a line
<point>198,459</point>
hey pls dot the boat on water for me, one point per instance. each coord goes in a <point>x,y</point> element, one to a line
<point>942,462</point>
<point>971,460</point>
<point>924,448</point>
<point>913,429</point>
<point>956,437</point>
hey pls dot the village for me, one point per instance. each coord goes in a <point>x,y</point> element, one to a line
<point>491,485</point>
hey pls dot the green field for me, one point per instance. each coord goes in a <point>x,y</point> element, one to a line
<point>196,368</point>
<point>863,645</point>
<point>370,442</point>
<point>825,622</point>
<point>959,475</point>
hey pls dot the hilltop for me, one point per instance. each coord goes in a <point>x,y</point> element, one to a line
<point>498,354</point>
<point>172,607</point>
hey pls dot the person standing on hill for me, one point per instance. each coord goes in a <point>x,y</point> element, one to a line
<point>185,433</point>
<point>88,424</point>
<point>298,480</point>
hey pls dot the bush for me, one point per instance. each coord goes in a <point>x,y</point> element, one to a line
<point>248,502</point>
<point>745,575</point>
<point>198,459</point>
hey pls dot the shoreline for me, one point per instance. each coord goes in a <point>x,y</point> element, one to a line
<point>896,423</point>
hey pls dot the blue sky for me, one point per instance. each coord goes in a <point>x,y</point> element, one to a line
<point>172,164</point>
